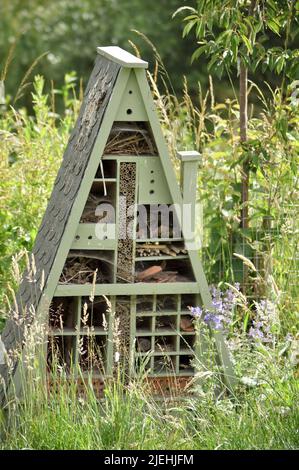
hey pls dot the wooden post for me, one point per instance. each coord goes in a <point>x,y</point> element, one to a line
<point>189,164</point>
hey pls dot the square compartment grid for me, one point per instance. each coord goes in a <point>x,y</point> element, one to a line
<point>165,336</point>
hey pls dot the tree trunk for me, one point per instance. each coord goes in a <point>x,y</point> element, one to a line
<point>243,138</point>
<point>245,166</point>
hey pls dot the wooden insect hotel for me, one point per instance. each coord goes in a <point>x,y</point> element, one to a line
<point>97,263</point>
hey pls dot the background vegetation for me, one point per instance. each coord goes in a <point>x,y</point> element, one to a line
<point>66,32</point>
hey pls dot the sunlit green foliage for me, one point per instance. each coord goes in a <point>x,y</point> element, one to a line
<point>31,148</point>
<point>230,31</point>
<point>70,30</point>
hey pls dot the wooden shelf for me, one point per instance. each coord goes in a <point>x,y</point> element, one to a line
<point>107,180</point>
<point>151,353</point>
<point>89,331</point>
<point>127,158</point>
<point>162,257</point>
<point>143,332</point>
<point>171,374</point>
<point>158,333</point>
<point>154,240</point>
<point>144,288</point>
<point>159,313</point>
<point>63,332</point>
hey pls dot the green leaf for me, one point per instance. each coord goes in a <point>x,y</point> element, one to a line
<point>249,23</point>
<point>213,61</point>
<point>179,10</point>
<point>190,17</point>
<point>188,27</point>
<point>223,35</point>
<point>200,29</point>
<point>199,51</point>
<point>245,322</point>
<point>280,63</point>
<point>274,26</point>
<point>247,44</point>
<point>235,46</point>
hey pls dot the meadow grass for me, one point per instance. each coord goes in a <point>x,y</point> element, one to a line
<point>263,412</point>
<point>265,417</point>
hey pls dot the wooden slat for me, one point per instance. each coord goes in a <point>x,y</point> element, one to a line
<point>73,290</point>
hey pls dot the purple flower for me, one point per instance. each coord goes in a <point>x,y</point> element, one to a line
<point>256,333</point>
<point>213,320</point>
<point>218,305</point>
<point>222,311</point>
<point>196,311</point>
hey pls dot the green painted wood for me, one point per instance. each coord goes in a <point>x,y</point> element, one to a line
<point>70,231</point>
<point>160,332</point>
<point>222,351</point>
<point>135,214</point>
<point>64,332</point>
<point>177,359</point>
<point>162,257</point>
<point>126,158</point>
<point>189,164</point>
<point>71,227</point>
<point>180,352</point>
<point>160,313</point>
<point>74,332</point>
<point>161,240</point>
<point>117,221</point>
<point>106,180</point>
<point>152,183</point>
<point>131,107</point>
<point>72,290</point>
<point>169,172</point>
<point>165,191</point>
<point>17,386</point>
<point>172,374</point>
<point>200,350</point>
<point>189,156</point>
<point>122,57</point>
<point>86,238</point>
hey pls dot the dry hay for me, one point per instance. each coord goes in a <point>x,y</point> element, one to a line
<point>89,212</point>
<point>82,270</point>
<point>130,139</point>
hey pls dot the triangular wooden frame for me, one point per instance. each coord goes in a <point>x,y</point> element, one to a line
<point>129,67</point>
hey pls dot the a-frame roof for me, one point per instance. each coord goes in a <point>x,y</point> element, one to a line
<point>86,144</point>
<point>75,160</point>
